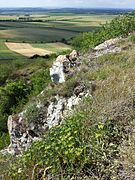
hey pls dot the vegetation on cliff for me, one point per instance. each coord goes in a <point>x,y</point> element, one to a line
<point>19,88</point>
<point>93,143</point>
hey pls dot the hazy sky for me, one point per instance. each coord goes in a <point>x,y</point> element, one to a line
<point>68,3</point>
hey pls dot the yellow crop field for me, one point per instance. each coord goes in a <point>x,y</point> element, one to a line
<point>26,49</point>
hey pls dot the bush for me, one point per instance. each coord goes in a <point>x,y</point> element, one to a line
<point>5,71</point>
<point>9,67</point>
<point>39,81</point>
<point>74,149</point>
<point>16,94</point>
<point>10,97</point>
<point>4,140</point>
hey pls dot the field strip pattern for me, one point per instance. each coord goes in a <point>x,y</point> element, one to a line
<point>26,49</point>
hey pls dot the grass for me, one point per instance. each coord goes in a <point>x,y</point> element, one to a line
<point>54,47</point>
<point>31,34</point>
<point>90,143</point>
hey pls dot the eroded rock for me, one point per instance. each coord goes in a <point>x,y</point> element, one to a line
<point>106,44</point>
<point>73,55</point>
<point>63,66</point>
<point>109,46</point>
<point>23,132</point>
<point>25,128</point>
<point>57,73</point>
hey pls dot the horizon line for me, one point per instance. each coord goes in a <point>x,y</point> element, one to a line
<point>15,7</point>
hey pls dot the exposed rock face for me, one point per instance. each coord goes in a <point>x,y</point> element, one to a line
<point>73,55</point>
<point>20,137</point>
<point>63,66</point>
<point>109,46</point>
<point>23,133</point>
<point>51,113</point>
<point>106,44</point>
<point>57,73</point>
<point>23,129</point>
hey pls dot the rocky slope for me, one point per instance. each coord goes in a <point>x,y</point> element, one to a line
<point>90,102</point>
<point>24,128</point>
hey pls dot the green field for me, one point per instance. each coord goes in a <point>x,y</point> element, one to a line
<point>43,29</point>
<point>48,27</point>
<point>54,47</point>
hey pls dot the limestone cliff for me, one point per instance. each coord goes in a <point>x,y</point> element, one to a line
<point>24,130</point>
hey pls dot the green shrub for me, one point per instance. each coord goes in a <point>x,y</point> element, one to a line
<point>9,67</point>
<point>14,95</point>
<point>32,113</point>
<point>5,71</point>
<point>4,140</point>
<point>78,148</point>
<point>10,97</point>
<point>40,80</point>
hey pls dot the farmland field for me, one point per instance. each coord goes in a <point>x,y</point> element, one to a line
<point>6,54</point>
<point>49,27</point>
<point>54,47</point>
<point>44,32</point>
<point>40,49</point>
<point>26,49</point>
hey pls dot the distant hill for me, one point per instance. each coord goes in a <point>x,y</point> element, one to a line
<point>65,10</point>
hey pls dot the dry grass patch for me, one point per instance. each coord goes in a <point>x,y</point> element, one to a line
<point>26,49</point>
<point>7,34</point>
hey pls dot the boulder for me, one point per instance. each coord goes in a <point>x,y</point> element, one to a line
<point>62,58</point>
<point>73,55</point>
<point>62,66</point>
<point>106,44</point>
<point>109,46</point>
<point>57,73</point>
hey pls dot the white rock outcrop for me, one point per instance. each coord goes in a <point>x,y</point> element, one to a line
<point>62,66</point>
<point>73,55</point>
<point>109,46</point>
<point>22,134</point>
<point>56,73</point>
<point>51,113</point>
<point>24,128</point>
<point>106,44</point>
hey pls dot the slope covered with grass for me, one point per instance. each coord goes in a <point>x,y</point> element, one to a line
<point>97,140</point>
<point>89,145</point>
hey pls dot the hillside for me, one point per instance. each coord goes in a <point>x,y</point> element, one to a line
<point>77,123</point>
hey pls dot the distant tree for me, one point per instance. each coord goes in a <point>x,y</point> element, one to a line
<point>63,40</point>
